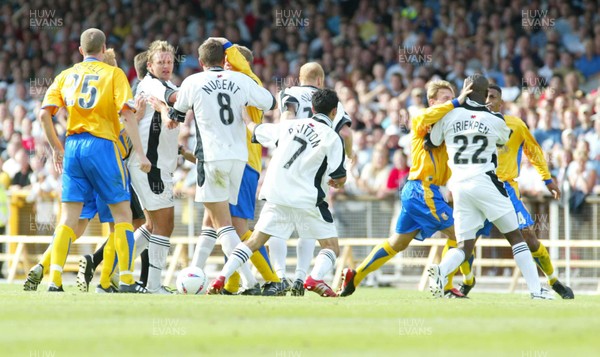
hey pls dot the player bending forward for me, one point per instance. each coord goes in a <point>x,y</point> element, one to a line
<point>309,155</point>
<point>472,133</point>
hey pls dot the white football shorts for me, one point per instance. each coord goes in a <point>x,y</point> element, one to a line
<point>281,221</point>
<point>478,198</point>
<point>219,181</point>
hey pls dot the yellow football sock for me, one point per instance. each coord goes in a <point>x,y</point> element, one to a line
<point>45,261</point>
<point>450,244</point>
<point>63,237</point>
<point>378,256</point>
<point>233,283</point>
<point>108,259</point>
<point>261,261</point>
<point>542,259</point>
<point>466,268</point>
<point>125,247</point>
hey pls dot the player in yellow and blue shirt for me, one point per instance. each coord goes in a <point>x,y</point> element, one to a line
<point>94,94</point>
<point>509,165</point>
<point>424,210</point>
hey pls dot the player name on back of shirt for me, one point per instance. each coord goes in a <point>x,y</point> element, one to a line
<point>221,84</point>
<point>470,124</point>
<point>307,130</point>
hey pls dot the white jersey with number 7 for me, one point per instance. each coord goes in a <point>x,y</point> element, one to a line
<point>307,154</point>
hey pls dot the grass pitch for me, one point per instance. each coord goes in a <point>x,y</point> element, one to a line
<point>372,322</point>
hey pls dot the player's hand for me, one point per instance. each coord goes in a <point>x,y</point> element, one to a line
<point>140,108</point>
<point>172,124</point>
<point>465,92</point>
<point>145,164</point>
<point>58,156</point>
<point>337,183</point>
<point>554,190</point>
<point>157,105</point>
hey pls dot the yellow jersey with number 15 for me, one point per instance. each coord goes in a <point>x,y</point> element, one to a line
<point>94,94</point>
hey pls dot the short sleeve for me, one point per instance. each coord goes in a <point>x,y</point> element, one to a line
<point>53,99</point>
<point>122,91</point>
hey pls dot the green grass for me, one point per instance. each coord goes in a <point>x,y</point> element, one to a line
<point>371,322</point>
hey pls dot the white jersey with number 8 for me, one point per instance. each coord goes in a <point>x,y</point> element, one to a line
<point>218,98</point>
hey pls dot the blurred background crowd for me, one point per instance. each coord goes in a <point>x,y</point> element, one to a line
<point>378,55</point>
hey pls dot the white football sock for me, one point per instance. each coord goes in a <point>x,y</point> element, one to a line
<point>278,253</point>
<point>323,264</point>
<point>237,259</point>
<point>142,239</point>
<point>158,249</point>
<point>305,252</point>
<point>452,260</point>
<point>204,246</point>
<point>528,268</point>
<point>229,241</point>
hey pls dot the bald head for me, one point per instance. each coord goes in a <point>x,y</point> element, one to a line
<point>312,74</point>
<point>480,87</point>
<point>92,42</point>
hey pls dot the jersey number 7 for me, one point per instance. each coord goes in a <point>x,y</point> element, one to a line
<point>297,153</point>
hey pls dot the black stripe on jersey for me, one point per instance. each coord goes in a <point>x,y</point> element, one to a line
<point>499,184</point>
<point>340,171</point>
<point>136,208</point>
<point>321,203</point>
<point>274,103</point>
<point>199,154</point>
<point>482,109</point>
<point>154,178</point>
<point>345,121</point>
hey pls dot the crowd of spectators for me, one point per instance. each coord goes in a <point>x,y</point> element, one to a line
<point>378,55</point>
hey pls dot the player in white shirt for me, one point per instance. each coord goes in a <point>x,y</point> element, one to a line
<point>296,103</point>
<point>308,156</point>
<point>472,133</point>
<point>218,97</point>
<point>160,143</point>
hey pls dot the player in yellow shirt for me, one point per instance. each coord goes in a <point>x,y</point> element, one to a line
<point>424,210</point>
<point>238,58</point>
<point>509,164</point>
<point>94,94</point>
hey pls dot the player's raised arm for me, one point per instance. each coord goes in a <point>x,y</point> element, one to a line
<point>260,97</point>
<point>123,101</point>
<point>265,134</point>
<point>535,154</point>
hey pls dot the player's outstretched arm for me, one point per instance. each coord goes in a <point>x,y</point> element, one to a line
<point>131,126</point>
<point>188,155</point>
<point>535,154</point>
<point>57,149</point>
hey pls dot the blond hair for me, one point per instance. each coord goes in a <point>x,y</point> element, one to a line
<point>159,46</point>
<point>92,41</point>
<point>434,87</point>
<point>110,57</point>
<point>310,72</point>
<point>245,51</point>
